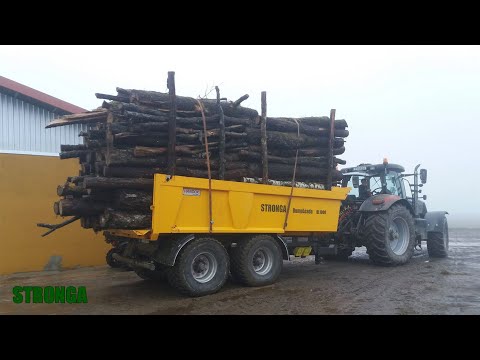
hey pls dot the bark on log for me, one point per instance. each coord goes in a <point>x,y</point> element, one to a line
<point>321,122</point>
<point>82,118</point>
<point>136,200</point>
<point>126,157</point>
<point>116,183</point>
<point>161,100</point>
<point>72,147</point>
<point>70,189</point>
<point>82,207</point>
<point>302,160</point>
<point>73,154</point>
<point>310,151</point>
<point>277,139</point>
<point>113,219</point>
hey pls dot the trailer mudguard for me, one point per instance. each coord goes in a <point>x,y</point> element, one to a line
<point>383,202</point>
<point>435,220</point>
<point>169,248</point>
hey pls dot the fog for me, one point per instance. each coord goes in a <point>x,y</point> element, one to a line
<point>411,104</point>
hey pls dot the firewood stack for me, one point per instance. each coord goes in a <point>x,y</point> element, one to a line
<point>128,138</point>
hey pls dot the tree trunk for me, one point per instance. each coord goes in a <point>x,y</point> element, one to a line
<point>70,189</point>
<point>133,200</point>
<point>82,207</point>
<point>116,183</point>
<point>277,139</point>
<point>112,219</point>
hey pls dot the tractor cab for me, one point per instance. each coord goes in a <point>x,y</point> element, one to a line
<point>367,180</point>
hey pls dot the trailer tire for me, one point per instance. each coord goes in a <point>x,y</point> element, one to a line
<point>437,242</point>
<point>111,261</point>
<point>256,261</point>
<point>201,268</point>
<point>390,236</point>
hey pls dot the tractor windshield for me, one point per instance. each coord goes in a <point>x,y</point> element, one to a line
<point>372,185</point>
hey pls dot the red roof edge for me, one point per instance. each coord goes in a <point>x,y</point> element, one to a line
<point>39,96</point>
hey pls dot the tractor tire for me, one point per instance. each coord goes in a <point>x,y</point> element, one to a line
<point>342,255</point>
<point>437,242</point>
<point>111,261</point>
<point>390,236</point>
<point>256,261</point>
<point>201,268</point>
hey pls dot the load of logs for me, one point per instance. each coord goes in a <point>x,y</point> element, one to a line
<point>128,141</point>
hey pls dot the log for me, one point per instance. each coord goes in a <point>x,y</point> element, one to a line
<point>133,172</point>
<point>161,100</point>
<point>81,207</point>
<point>72,147</point>
<point>146,109</point>
<point>70,189</point>
<point>303,173</point>
<point>73,154</point>
<point>75,179</point>
<point>310,151</point>
<point>56,208</point>
<point>277,139</point>
<point>302,160</point>
<point>116,219</point>
<point>116,183</point>
<point>82,118</point>
<point>183,168</point>
<point>285,126</point>
<point>135,200</point>
<point>112,97</point>
<point>321,122</point>
<point>126,157</point>
<point>133,139</point>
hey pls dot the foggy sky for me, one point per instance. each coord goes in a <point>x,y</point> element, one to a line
<point>411,104</point>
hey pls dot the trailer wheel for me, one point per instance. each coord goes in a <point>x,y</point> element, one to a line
<point>437,242</point>
<point>110,260</point>
<point>390,236</point>
<point>256,261</point>
<point>201,268</point>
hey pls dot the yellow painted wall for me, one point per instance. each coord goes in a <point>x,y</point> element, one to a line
<point>28,189</point>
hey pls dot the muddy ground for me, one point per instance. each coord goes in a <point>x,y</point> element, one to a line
<point>424,286</point>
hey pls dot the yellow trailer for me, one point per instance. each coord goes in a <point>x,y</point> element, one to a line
<point>203,230</point>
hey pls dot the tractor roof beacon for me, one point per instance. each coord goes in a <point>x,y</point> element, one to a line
<point>383,218</point>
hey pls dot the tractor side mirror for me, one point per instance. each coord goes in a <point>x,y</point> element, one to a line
<point>355,181</point>
<point>424,197</point>
<point>423,175</point>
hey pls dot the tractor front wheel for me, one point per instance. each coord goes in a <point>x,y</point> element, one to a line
<point>437,242</point>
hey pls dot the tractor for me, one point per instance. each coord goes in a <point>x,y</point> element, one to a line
<point>379,214</point>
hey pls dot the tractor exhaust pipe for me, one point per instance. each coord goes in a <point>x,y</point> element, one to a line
<point>134,263</point>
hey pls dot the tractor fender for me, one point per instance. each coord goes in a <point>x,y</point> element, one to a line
<point>383,202</point>
<point>435,220</point>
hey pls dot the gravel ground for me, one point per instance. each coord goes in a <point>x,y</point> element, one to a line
<point>423,286</point>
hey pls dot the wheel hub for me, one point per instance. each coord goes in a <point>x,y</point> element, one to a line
<point>262,261</point>
<point>204,267</point>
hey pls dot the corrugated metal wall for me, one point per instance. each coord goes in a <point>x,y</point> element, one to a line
<point>22,128</point>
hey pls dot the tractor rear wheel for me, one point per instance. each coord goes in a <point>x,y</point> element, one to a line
<point>390,236</point>
<point>437,242</point>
